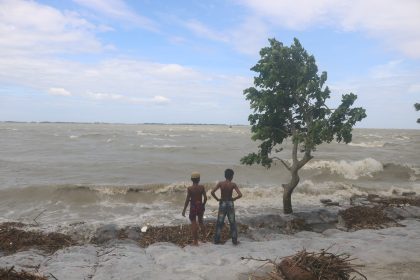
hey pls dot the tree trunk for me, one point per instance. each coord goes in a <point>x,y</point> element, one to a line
<point>287,192</point>
<point>294,168</point>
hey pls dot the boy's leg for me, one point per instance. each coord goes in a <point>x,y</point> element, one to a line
<point>194,229</point>
<point>232,222</point>
<point>219,224</point>
<point>202,227</point>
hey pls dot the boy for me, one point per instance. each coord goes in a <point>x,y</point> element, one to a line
<point>226,206</point>
<point>195,195</point>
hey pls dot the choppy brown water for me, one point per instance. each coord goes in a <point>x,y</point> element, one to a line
<point>122,173</point>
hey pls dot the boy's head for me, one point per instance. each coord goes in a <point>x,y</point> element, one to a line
<point>195,177</point>
<point>229,174</point>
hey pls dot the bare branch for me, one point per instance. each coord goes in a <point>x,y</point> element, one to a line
<point>307,157</point>
<point>284,163</point>
<point>38,216</point>
<point>106,253</point>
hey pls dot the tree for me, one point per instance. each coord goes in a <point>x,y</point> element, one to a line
<point>289,102</point>
<point>417,106</point>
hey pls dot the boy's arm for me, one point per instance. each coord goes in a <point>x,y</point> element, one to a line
<point>187,201</point>
<point>204,196</point>
<point>213,192</point>
<point>238,192</point>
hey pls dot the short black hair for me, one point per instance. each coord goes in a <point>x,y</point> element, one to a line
<point>229,174</point>
<point>195,180</point>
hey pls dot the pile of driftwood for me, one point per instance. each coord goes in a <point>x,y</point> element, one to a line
<point>398,201</point>
<point>312,266</point>
<point>13,239</point>
<point>365,217</point>
<point>181,235</point>
<point>11,274</point>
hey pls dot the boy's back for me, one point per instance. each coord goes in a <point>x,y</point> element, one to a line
<point>226,190</point>
<point>196,193</point>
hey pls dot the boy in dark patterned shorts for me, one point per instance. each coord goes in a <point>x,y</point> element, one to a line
<point>196,196</point>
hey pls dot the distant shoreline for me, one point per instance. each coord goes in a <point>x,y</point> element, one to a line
<point>146,123</point>
<point>157,123</point>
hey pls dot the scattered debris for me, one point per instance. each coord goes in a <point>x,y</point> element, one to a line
<point>14,239</point>
<point>329,202</point>
<point>365,217</point>
<point>295,225</point>
<point>311,266</point>
<point>106,233</point>
<point>181,235</point>
<point>397,201</point>
<point>408,193</point>
<point>11,274</point>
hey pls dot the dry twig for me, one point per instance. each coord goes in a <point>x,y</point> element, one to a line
<point>311,265</point>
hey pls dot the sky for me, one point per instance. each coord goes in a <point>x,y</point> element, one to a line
<point>188,61</point>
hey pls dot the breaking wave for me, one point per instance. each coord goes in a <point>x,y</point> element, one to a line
<point>374,144</point>
<point>352,170</point>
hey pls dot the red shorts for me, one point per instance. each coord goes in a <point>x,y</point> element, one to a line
<point>196,210</point>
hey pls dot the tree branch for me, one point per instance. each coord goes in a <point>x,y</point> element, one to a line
<point>307,157</point>
<point>294,153</point>
<point>284,163</point>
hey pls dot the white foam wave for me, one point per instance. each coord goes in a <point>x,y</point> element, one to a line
<point>349,170</point>
<point>374,144</point>
<point>416,172</point>
<point>73,136</point>
<point>372,135</point>
<point>329,188</point>
<point>176,187</point>
<point>306,194</point>
<point>142,133</point>
<point>163,139</point>
<point>402,137</point>
<point>161,146</point>
<point>111,190</point>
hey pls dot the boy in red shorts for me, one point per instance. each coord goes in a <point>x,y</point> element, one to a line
<point>196,195</point>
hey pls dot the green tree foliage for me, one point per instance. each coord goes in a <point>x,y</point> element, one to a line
<point>289,102</point>
<point>417,106</point>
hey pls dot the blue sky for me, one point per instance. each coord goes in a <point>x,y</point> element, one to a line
<point>188,61</point>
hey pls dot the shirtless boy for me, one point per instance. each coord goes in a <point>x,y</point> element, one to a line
<point>196,195</point>
<point>226,206</point>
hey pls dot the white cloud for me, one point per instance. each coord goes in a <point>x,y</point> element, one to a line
<point>397,23</point>
<point>415,88</point>
<point>157,100</point>
<point>160,99</point>
<point>29,28</point>
<point>203,31</point>
<point>118,9</point>
<point>104,96</point>
<point>59,91</point>
<point>248,37</point>
<point>297,14</point>
<point>123,80</point>
<point>387,93</point>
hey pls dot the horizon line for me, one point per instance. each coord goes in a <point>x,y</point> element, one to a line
<point>163,123</point>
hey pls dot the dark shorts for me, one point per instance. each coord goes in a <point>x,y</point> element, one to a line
<point>196,210</point>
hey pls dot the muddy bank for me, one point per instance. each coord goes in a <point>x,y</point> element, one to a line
<point>163,252</point>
